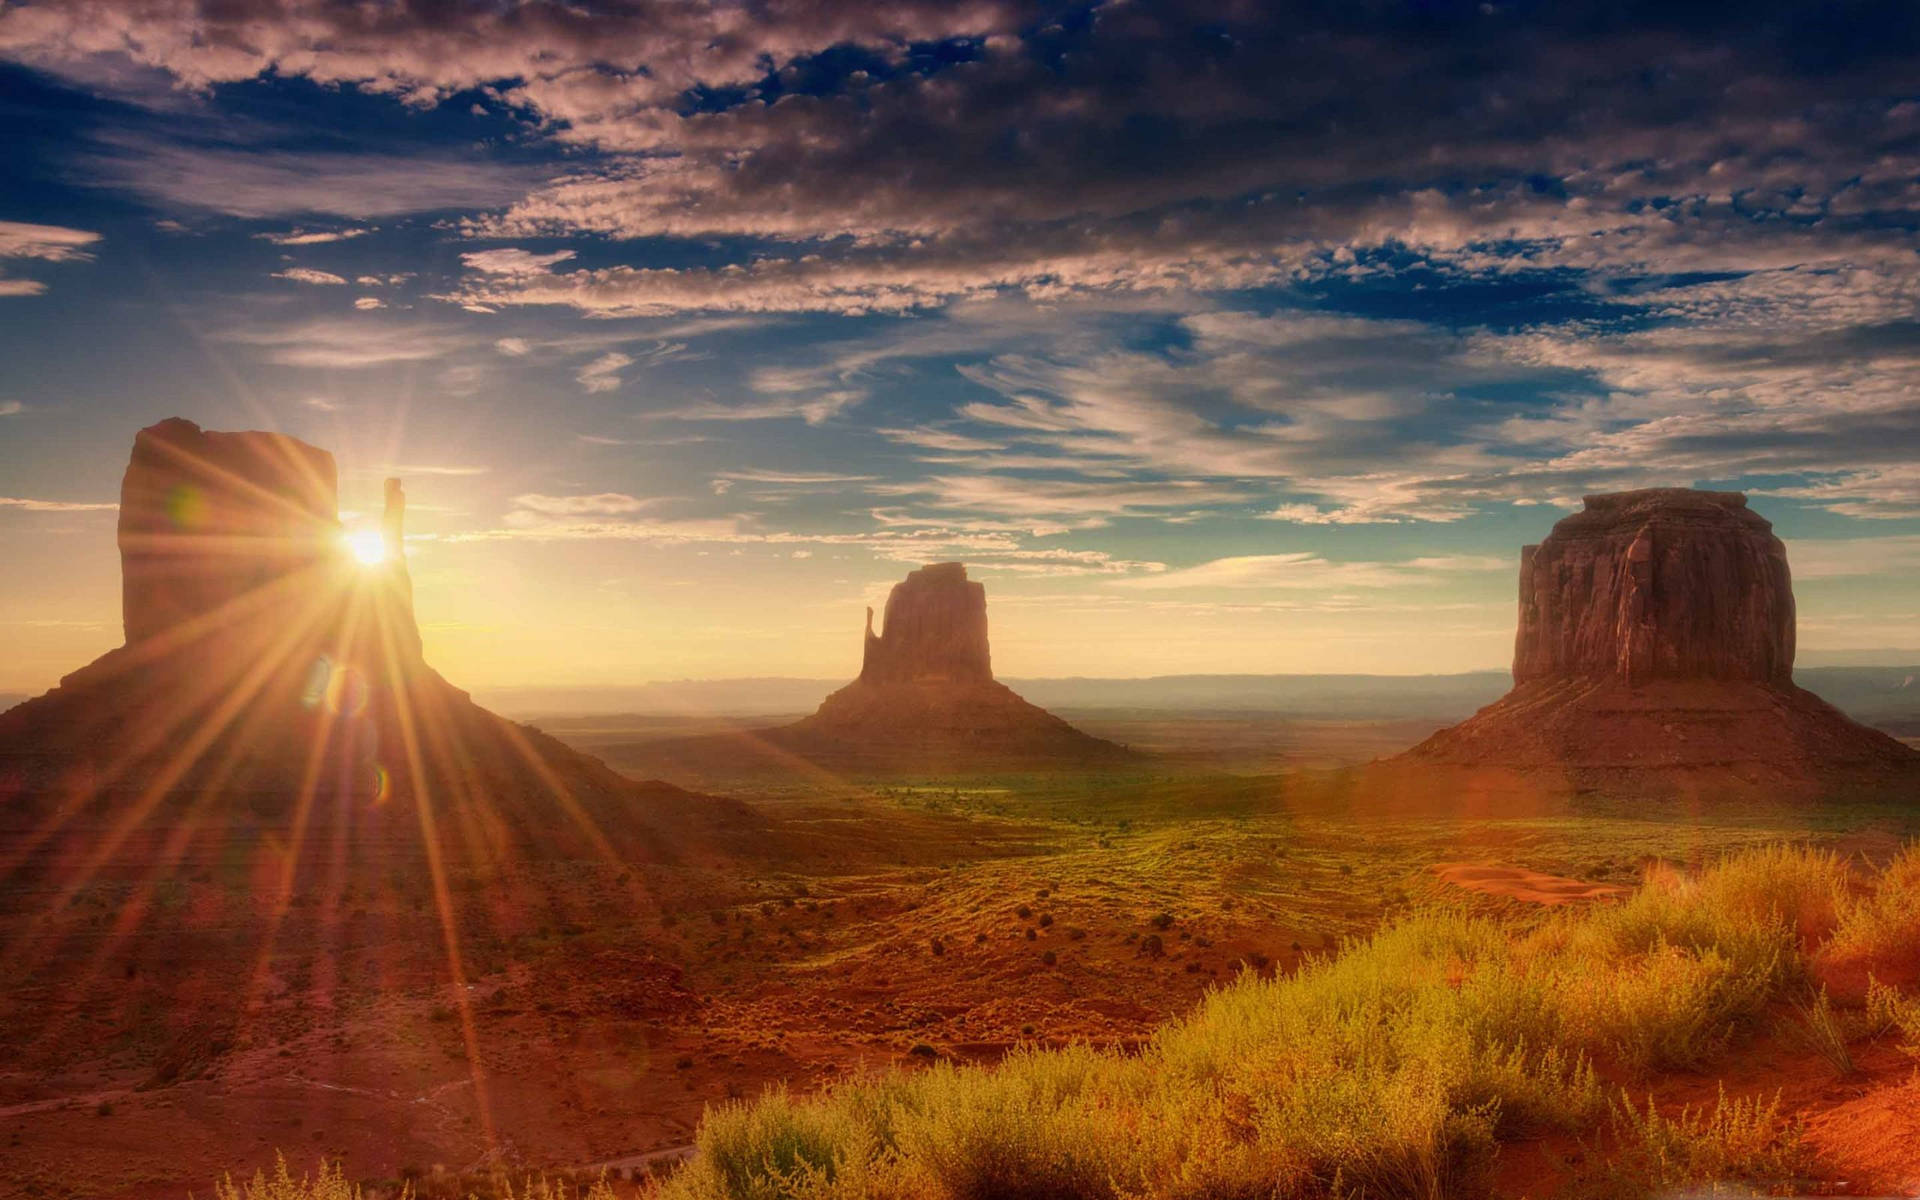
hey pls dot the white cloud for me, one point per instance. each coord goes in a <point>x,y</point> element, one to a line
<point>28,505</point>
<point>793,478</point>
<point>1852,558</point>
<point>348,342</point>
<point>40,243</point>
<point>309,275</point>
<point>1308,570</point>
<point>315,237</point>
<point>369,303</point>
<point>513,263</point>
<point>255,183</point>
<point>603,373</point>
<point>48,243</point>
<point>600,504</point>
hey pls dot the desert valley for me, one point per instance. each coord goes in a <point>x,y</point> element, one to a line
<point>274,888</point>
<point>1006,600</point>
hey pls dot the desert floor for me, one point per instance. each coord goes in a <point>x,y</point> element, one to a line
<point>161,1026</point>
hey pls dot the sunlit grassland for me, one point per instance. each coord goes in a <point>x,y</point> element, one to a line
<point>1394,1068</point>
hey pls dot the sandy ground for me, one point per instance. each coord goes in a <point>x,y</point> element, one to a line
<point>160,1026</point>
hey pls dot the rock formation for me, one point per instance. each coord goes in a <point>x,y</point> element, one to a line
<point>1656,635</point>
<point>262,660</point>
<point>936,631</point>
<point>926,698</point>
<point>1667,583</point>
<point>210,522</point>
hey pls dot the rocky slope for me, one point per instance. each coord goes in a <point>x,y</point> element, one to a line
<point>926,697</point>
<point>1656,640</point>
<point>264,664</point>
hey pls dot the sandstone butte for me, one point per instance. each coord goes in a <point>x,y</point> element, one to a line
<point>267,669</point>
<point>926,696</point>
<point>1656,637</point>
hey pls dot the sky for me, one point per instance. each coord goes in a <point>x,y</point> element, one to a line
<point>1235,337</point>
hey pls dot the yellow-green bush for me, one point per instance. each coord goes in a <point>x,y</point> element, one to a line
<point>328,1184</point>
<point>1735,1141</point>
<point>1882,923</point>
<point>1391,1069</point>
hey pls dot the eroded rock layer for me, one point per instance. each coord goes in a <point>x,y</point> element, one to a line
<point>265,661</point>
<point>1656,641</point>
<point>1667,583</point>
<point>926,697</point>
<point>936,630</point>
<point>210,523</point>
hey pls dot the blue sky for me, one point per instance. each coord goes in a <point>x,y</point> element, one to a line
<point>1214,337</point>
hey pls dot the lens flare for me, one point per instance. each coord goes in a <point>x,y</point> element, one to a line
<point>382,785</point>
<point>346,691</point>
<point>316,686</point>
<point>186,506</point>
<point>367,546</point>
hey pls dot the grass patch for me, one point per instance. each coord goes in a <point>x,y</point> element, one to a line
<point>1392,1069</point>
<point>1743,1142</point>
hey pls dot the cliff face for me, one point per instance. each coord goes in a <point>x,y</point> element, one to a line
<point>221,524</point>
<point>936,630</point>
<point>264,661</point>
<point>1667,583</point>
<point>1655,644</point>
<point>926,697</point>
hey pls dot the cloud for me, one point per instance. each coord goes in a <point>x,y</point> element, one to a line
<point>601,504</point>
<point>305,237</point>
<point>460,470</point>
<point>939,439</point>
<point>368,303</point>
<point>11,408</point>
<point>814,409</point>
<point>1145,147</point>
<point>793,478</point>
<point>603,373</point>
<point>347,342</point>
<point>256,183</point>
<point>48,243</point>
<point>40,243</point>
<point>46,506</point>
<point>1853,558</point>
<point>1308,570</point>
<point>620,517</point>
<point>512,347</point>
<point>513,263</point>
<point>308,275</point>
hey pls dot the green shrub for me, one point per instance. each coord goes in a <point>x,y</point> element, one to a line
<point>1882,924</point>
<point>328,1184</point>
<point>1744,1141</point>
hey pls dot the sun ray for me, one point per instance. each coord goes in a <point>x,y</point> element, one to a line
<point>234,700</point>
<point>423,801</point>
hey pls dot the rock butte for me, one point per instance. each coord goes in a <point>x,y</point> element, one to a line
<point>926,696</point>
<point>263,662</point>
<point>1656,636</point>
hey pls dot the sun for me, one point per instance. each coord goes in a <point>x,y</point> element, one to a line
<point>367,546</point>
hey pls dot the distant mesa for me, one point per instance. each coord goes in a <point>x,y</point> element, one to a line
<point>936,631</point>
<point>926,696</point>
<point>266,661</point>
<point>1656,635</point>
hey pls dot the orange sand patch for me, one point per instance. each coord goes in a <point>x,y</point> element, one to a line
<point>1875,1139</point>
<point>1521,884</point>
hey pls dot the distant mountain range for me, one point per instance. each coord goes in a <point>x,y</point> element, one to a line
<point>1888,697</point>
